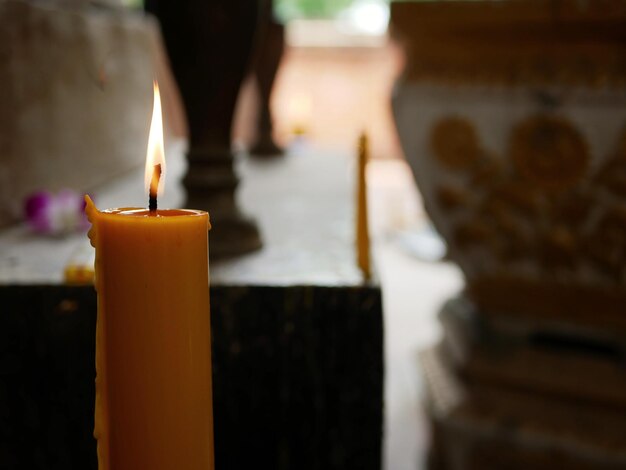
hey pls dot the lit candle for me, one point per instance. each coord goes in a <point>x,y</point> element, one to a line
<point>362,228</point>
<point>153,351</point>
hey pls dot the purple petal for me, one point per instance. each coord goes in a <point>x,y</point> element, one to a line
<point>36,210</point>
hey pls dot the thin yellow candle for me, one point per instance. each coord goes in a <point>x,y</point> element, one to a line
<point>153,350</point>
<point>362,228</point>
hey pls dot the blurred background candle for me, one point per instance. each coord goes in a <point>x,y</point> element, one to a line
<point>153,349</point>
<point>362,228</point>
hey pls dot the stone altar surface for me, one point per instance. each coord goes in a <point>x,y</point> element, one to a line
<point>303,203</point>
<point>297,336</point>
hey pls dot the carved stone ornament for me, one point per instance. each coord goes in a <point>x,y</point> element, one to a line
<point>512,116</point>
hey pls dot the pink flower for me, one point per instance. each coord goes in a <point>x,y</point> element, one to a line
<point>56,214</point>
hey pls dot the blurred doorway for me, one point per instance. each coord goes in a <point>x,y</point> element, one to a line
<point>335,79</point>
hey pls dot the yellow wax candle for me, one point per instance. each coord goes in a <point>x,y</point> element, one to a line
<point>362,228</point>
<point>153,335</point>
<point>153,353</point>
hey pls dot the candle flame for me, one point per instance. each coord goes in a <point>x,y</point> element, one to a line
<point>156,154</point>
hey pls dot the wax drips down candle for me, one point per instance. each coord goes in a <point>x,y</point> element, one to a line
<point>153,351</point>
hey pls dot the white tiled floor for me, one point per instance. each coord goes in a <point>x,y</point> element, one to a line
<point>413,291</point>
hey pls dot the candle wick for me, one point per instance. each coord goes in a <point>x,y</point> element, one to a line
<point>154,186</point>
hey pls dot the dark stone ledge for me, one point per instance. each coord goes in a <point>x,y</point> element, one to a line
<point>298,377</point>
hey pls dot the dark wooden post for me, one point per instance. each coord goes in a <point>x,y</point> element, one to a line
<point>209,43</point>
<point>267,59</point>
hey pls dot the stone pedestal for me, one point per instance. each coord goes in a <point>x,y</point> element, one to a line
<point>515,394</point>
<point>509,115</point>
<point>297,336</point>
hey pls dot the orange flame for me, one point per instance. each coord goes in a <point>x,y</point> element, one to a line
<point>156,154</point>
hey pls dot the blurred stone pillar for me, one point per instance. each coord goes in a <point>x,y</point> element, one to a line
<point>512,116</point>
<point>209,43</point>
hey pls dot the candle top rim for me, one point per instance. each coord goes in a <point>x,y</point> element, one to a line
<point>142,212</point>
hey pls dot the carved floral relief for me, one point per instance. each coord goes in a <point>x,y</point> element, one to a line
<point>542,203</point>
